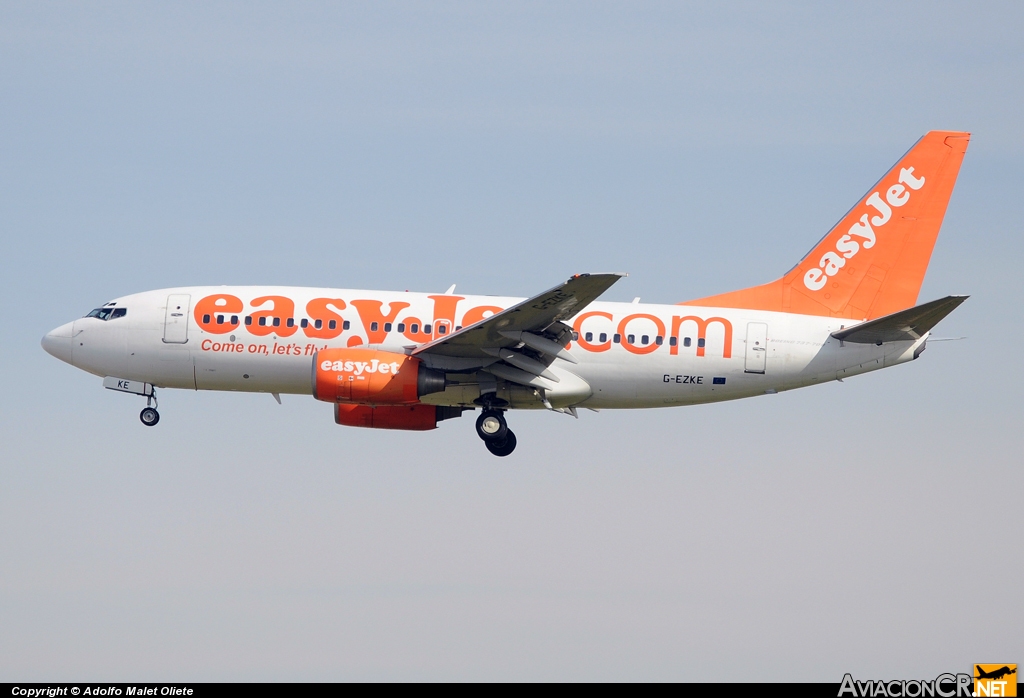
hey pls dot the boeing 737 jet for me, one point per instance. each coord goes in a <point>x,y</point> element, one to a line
<point>388,360</point>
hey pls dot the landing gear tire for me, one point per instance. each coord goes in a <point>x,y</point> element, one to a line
<point>149,417</point>
<point>504,447</point>
<point>491,427</point>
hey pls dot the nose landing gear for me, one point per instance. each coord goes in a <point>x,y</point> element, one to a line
<point>492,428</point>
<point>149,416</point>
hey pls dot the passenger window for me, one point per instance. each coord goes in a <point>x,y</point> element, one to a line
<point>220,319</point>
<point>248,319</point>
<point>277,322</point>
<point>304,323</point>
<point>603,337</point>
<point>631,338</point>
<point>575,336</point>
<point>700,341</point>
<point>617,338</point>
<point>319,324</point>
<point>426,329</point>
<point>401,327</point>
<point>234,319</point>
<point>414,328</point>
<point>458,327</point>
<point>442,329</point>
<point>659,340</point>
<point>291,322</point>
<point>206,319</point>
<point>119,312</point>
<point>589,336</point>
<point>672,341</point>
<point>263,321</point>
<point>387,326</point>
<point>373,327</point>
<point>686,341</point>
<point>344,325</point>
<point>331,325</point>
<point>645,339</point>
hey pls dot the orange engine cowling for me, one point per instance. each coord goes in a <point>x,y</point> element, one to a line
<point>372,377</point>
<point>409,417</point>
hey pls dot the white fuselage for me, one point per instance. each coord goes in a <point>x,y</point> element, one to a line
<point>630,355</point>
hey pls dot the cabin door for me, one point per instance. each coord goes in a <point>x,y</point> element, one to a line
<point>757,347</point>
<point>176,318</point>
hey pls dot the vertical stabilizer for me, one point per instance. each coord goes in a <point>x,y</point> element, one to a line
<point>872,263</point>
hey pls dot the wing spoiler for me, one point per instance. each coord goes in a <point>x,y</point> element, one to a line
<point>906,325</point>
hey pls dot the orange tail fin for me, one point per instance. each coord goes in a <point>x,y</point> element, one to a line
<point>872,263</point>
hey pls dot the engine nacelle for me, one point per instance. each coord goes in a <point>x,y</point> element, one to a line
<point>407,417</point>
<point>372,377</point>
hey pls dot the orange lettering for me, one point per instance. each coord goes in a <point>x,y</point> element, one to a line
<point>702,328</point>
<point>370,312</point>
<point>276,319</point>
<point>632,348</point>
<point>213,313</point>
<point>419,336</point>
<point>584,344</point>
<point>475,315</point>
<point>444,312</point>
<point>318,309</point>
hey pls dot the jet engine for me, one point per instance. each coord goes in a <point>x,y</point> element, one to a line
<point>372,377</point>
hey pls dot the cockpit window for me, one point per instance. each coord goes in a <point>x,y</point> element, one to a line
<point>107,313</point>
<point>101,313</point>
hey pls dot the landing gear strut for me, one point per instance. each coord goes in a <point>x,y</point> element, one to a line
<point>149,416</point>
<point>492,428</point>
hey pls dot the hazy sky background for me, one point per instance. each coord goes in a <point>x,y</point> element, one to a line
<point>867,526</point>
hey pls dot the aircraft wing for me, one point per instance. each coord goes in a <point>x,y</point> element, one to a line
<point>535,322</point>
<point>910,324</point>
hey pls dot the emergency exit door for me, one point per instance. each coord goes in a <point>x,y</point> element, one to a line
<point>757,347</point>
<point>176,318</point>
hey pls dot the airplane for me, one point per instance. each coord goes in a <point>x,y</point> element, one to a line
<point>390,360</point>
<point>995,674</point>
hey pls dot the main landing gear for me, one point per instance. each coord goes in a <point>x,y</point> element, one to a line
<point>149,416</point>
<point>492,428</point>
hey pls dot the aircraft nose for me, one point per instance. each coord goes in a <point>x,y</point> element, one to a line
<point>58,342</point>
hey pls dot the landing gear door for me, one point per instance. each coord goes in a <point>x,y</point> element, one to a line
<point>757,347</point>
<point>176,319</point>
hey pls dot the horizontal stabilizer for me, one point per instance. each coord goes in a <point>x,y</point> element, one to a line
<point>906,325</point>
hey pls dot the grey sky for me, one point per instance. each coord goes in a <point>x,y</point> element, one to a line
<point>866,526</point>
